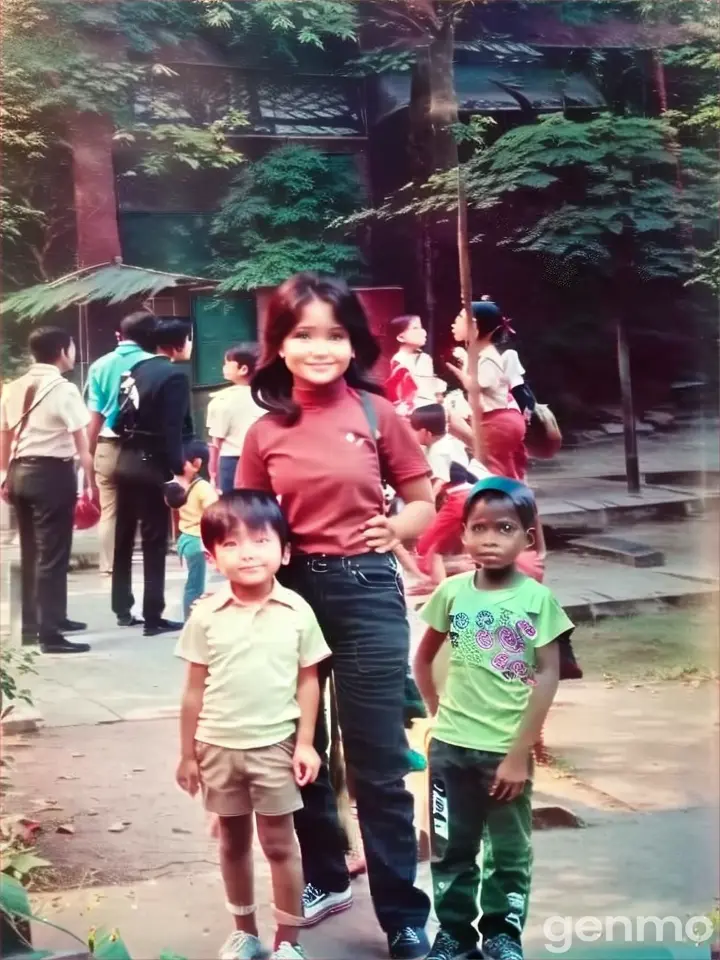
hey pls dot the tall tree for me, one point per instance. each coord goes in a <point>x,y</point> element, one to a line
<point>698,119</point>
<point>61,58</point>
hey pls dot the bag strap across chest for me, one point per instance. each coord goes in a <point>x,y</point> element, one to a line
<point>374,424</point>
<point>30,402</point>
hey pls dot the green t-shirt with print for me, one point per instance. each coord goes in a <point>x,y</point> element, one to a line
<point>493,635</point>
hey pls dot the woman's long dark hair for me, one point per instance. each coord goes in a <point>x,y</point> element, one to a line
<point>272,382</point>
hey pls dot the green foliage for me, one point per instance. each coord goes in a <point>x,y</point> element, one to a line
<point>65,56</point>
<point>107,945</point>
<point>701,119</point>
<point>169,145</point>
<point>60,58</point>
<point>475,131</point>
<point>14,664</point>
<point>18,859</point>
<point>375,62</point>
<point>614,193</point>
<point>583,14</point>
<point>708,274</point>
<point>15,908</point>
<point>16,911</point>
<point>312,21</point>
<point>278,219</point>
<point>700,56</point>
<point>283,28</point>
<point>15,214</point>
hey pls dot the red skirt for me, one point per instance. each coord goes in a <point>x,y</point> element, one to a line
<point>504,444</point>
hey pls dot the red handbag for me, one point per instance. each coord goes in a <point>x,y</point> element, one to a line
<point>87,512</point>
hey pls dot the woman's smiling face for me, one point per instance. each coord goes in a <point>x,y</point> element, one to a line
<point>317,351</point>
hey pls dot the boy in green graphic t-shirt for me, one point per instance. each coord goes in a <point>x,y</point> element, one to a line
<point>503,629</point>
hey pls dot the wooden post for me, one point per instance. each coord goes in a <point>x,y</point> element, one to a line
<point>632,463</point>
<point>466,299</point>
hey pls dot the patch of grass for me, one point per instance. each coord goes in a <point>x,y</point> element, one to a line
<point>678,644</point>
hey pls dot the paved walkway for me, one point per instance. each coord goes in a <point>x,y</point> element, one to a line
<point>106,685</point>
<point>640,783</point>
<point>687,449</point>
<point>642,763</point>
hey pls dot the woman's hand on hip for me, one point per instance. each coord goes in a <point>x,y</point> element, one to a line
<point>380,534</point>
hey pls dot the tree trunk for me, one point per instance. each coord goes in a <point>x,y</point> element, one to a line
<point>98,237</point>
<point>432,112</point>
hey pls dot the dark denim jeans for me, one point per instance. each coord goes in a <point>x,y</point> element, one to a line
<point>361,609</point>
<point>226,473</point>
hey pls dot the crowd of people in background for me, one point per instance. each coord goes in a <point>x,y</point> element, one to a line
<point>316,487</point>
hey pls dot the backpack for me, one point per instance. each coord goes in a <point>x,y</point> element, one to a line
<point>130,399</point>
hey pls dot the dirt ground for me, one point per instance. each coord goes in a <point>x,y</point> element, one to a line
<point>101,777</point>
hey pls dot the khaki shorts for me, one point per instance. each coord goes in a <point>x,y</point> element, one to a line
<point>237,782</point>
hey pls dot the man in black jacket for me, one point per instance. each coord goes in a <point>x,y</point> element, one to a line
<point>154,422</point>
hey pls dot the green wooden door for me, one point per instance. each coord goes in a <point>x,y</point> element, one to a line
<point>219,325</point>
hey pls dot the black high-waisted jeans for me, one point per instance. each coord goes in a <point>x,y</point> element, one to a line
<point>360,606</point>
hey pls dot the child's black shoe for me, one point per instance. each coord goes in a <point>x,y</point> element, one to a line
<point>502,947</point>
<point>446,947</point>
<point>410,943</point>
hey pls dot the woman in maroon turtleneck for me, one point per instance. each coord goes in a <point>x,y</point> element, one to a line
<point>321,448</point>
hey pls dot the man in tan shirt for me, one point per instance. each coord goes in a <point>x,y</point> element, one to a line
<point>42,427</point>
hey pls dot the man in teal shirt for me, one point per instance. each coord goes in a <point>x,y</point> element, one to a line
<point>136,342</point>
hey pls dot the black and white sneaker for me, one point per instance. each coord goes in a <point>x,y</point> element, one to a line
<point>446,947</point>
<point>502,947</point>
<point>410,943</point>
<point>319,904</point>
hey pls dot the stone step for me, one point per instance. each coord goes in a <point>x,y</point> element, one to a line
<point>602,506</point>
<point>629,552</point>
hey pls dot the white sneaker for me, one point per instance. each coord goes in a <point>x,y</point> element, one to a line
<point>288,951</point>
<point>243,946</point>
<point>318,904</point>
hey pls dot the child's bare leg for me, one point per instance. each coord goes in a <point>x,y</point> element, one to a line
<point>235,835</point>
<point>280,846</point>
<point>438,571</point>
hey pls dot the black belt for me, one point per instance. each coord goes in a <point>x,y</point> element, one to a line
<point>43,459</point>
<point>108,439</point>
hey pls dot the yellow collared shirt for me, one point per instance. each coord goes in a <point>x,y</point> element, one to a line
<point>253,653</point>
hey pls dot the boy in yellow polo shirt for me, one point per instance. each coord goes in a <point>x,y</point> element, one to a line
<point>248,713</point>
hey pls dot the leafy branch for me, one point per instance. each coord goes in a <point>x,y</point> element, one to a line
<point>278,218</point>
